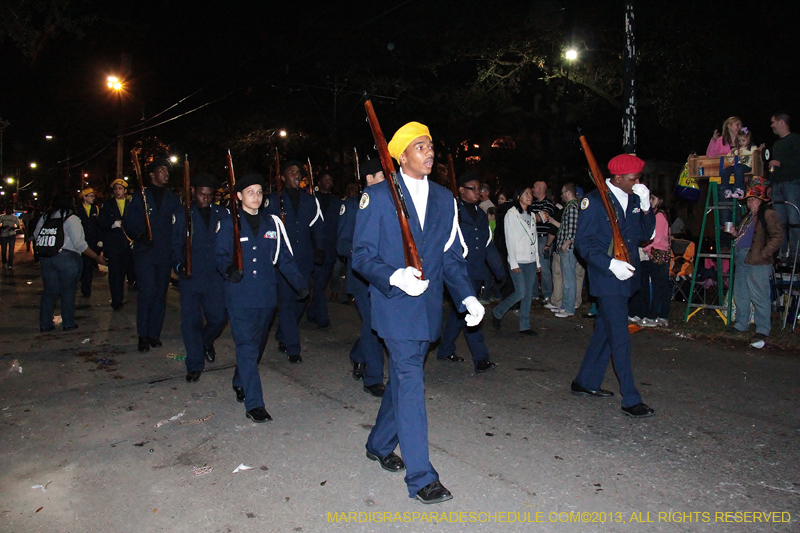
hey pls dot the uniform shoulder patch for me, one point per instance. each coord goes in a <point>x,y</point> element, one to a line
<point>364,201</point>
<point>173,219</point>
<point>218,226</point>
<point>271,235</point>
<point>584,203</point>
<point>341,210</point>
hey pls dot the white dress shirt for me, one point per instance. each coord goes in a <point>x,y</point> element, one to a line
<point>419,195</point>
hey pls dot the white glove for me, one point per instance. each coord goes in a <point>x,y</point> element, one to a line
<point>641,190</point>
<point>475,311</point>
<point>99,244</point>
<point>621,269</point>
<point>117,224</point>
<point>407,280</point>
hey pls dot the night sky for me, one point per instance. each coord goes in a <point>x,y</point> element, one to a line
<point>260,66</point>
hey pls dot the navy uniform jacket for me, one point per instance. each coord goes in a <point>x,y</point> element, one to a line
<point>330,224</point>
<point>304,228</point>
<point>594,243</point>
<point>204,246</point>
<point>482,251</point>
<point>378,253</point>
<point>356,283</point>
<point>261,252</point>
<point>114,239</point>
<point>160,223</point>
<point>91,226</point>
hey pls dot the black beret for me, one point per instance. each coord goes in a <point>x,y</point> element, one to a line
<point>204,179</point>
<point>292,163</point>
<point>370,166</point>
<point>250,178</point>
<point>161,162</point>
<point>467,177</point>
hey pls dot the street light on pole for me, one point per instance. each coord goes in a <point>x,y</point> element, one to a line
<point>115,84</point>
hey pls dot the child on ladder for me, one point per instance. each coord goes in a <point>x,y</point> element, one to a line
<point>742,154</point>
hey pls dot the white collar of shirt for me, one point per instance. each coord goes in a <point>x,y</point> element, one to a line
<point>418,189</point>
<point>620,195</point>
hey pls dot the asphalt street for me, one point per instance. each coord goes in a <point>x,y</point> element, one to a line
<point>81,450</point>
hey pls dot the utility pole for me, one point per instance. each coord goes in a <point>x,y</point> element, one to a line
<point>628,82</point>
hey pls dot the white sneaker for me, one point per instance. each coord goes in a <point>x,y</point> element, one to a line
<point>564,314</point>
<point>555,309</point>
<point>648,323</point>
<point>634,319</point>
<point>550,306</point>
<point>662,322</point>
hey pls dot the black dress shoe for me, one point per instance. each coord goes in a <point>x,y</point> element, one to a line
<point>496,323</point>
<point>577,390</point>
<point>281,347</point>
<point>116,307</point>
<point>154,343</point>
<point>434,492</point>
<point>639,410</point>
<point>143,346</point>
<point>529,332</point>
<point>71,328</point>
<point>192,376</point>
<point>485,366</point>
<point>453,358</point>
<point>240,395</point>
<point>210,353</point>
<point>258,415</point>
<point>376,390</point>
<point>45,330</point>
<point>294,359</point>
<point>358,370</point>
<point>390,463</point>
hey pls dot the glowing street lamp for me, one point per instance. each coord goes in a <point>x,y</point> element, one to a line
<point>114,83</point>
<point>173,159</point>
<point>282,133</point>
<point>571,54</point>
<point>33,165</point>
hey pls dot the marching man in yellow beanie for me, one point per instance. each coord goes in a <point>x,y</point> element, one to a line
<point>88,214</point>
<point>407,303</point>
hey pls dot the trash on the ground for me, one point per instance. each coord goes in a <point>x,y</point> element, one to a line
<point>241,468</point>
<point>15,367</point>
<point>197,421</point>
<point>682,335</point>
<point>173,419</point>
<point>205,395</point>
<point>181,357</point>
<point>202,470</point>
<point>40,508</point>
<point>323,483</point>
<point>43,487</point>
<point>757,344</point>
<point>57,320</point>
<point>84,341</point>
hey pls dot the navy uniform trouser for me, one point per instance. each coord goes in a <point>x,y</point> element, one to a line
<point>402,417</point>
<point>203,317</point>
<point>289,313</point>
<point>118,266</point>
<point>474,336</point>
<point>250,328</point>
<point>89,265</point>
<point>368,348</point>
<point>151,302</point>
<point>610,340</point>
<point>320,276</point>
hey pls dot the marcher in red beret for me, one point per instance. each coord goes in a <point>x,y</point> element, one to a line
<point>625,164</point>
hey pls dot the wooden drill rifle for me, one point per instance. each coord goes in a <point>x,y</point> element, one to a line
<point>451,174</point>
<point>620,250</point>
<point>409,246</point>
<point>187,213</point>
<point>135,158</point>
<point>279,185</point>
<point>358,175</point>
<point>311,178</point>
<point>237,243</point>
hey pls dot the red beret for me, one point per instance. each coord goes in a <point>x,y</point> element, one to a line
<point>625,164</point>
